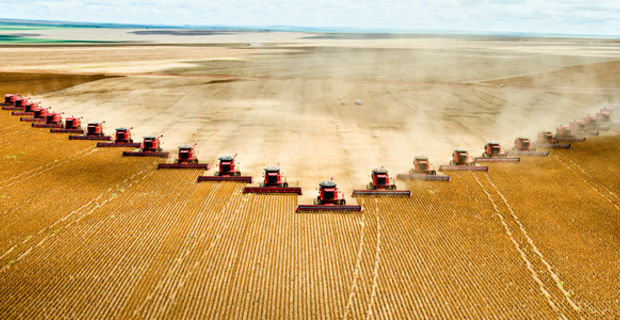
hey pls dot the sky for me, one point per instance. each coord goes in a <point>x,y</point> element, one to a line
<point>564,16</point>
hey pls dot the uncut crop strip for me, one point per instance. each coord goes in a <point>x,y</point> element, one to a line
<point>449,234</point>
<point>588,179</point>
<point>531,256</point>
<point>127,232</point>
<point>37,205</point>
<point>555,199</point>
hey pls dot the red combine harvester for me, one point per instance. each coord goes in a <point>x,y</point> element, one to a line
<point>422,170</point>
<point>461,161</point>
<point>122,138</point>
<point>72,125</point>
<point>381,185</point>
<point>565,134</point>
<point>579,127</point>
<point>150,147</point>
<point>186,159</point>
<point>10,102</point>
<point>52,120</point>
<point>94,131</point>
<point>592,123</point>
<point>227,172</point>
<point>27,110</point>
<point>38,115</point>
<point>493,152</point>
<point>329,199</point>
<point>603,116</point>
<point>547,140</point>
<point>524,147</point>
<point>273,182</point>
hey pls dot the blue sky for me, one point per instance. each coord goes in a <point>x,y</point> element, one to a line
<point>565,16</point>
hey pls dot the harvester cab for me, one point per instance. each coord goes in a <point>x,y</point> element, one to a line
<point>422,170</point>
<point>329,199</point>
<point>493,152</point>
<point>227,171</point>
<point>123,135</point>
<point>462,162</point>
<point>186,159</point>
<point>460,157</point>
<point>95,129</point>
<point>273,182</point>
<point>523,144</point>
<point>381,184</point>
<point>73,123</point>
<point>546,139</point>
<point>151,144</point>
<point>186,154</point>
<point>122,138</point>
<point>524,147</point>
<point>150,147</point>
<point>565,134</point>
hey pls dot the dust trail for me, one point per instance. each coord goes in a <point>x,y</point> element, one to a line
<point>529,265</point>
<point>587,182</point>
<point>554,275</point>
<point>377,262</point>
<point>358,262</point>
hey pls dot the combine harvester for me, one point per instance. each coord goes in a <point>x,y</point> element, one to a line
<point>547,140</point>
<point>274,182</point>
<point>565,134</point>
<point>186,159</point>
<point>227,172</point>
<point>38,115</point>
<point>604,115</point>
<point>122,138</point>
<point>94,131</point>
<point>150,147</point>
<point>592,123</point>
<point>329,199</point>
<point>9,102</point>
<point>493,152</point>
<point>524,147</point>
<point>72,125</point>
<point>26,110</point>
<point>461,161</point>
<point>580,128</point>
<point>52,120</point>
<point>381,185</point>
<point>422,170</point>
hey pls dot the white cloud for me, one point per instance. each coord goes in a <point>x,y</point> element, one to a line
<point>564,16</point>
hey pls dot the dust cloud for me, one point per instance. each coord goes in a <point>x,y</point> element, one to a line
<point>295,106</point>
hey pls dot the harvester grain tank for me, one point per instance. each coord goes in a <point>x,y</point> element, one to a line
<point>329,199</point>
<point>186,159</point>
<point>525,147</point>
<point>122,138</point>
<point>493,152</point>
<point>94,131</point>
<point>565,134</point>
<point>422,170</point>
<point>150,147</point>
<point>273,182</point>
<point>461,161</point>
<point>52,120</point>
<point>72,125</point>
<point>546,139</point>
<point>228,170</point>
<point>381,185</point>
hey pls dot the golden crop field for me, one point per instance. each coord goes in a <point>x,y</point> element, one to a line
<point>86,233</point>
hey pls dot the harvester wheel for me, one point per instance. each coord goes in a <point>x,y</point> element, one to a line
<point>370,186</point>
<point>452,162</point>
<point>216,173</point>
<point>317,201</point>
<point>285,185</point>
<point>261,185</point>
